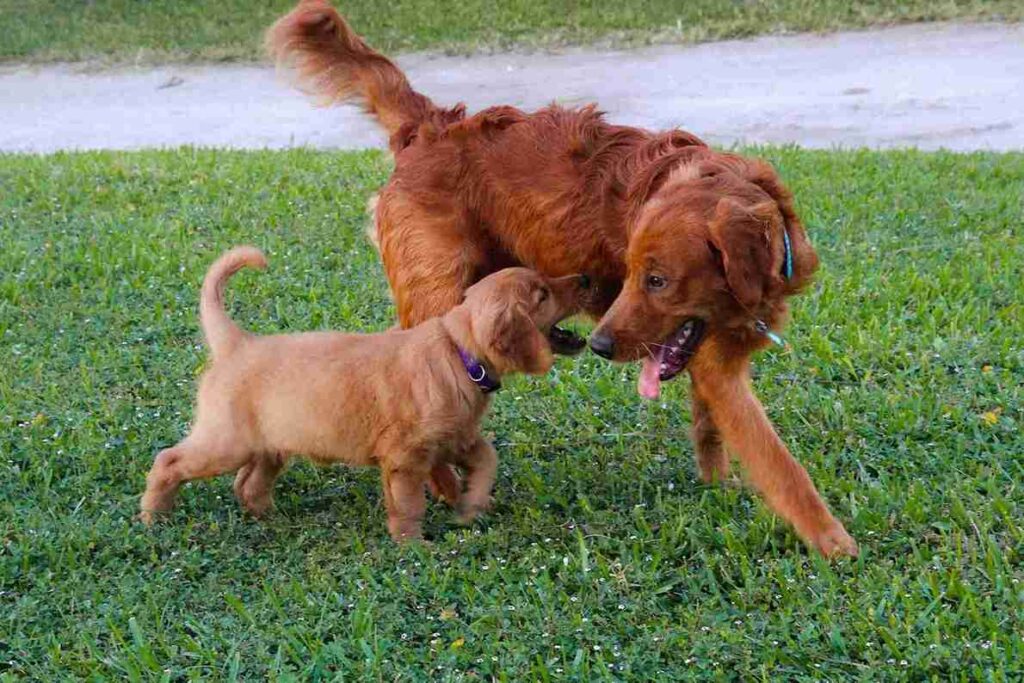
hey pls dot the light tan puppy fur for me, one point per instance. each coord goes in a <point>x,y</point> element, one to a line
<point>400,400</point>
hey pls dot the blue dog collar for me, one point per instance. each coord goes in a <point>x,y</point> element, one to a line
<point>787,259</point>
<point>760,326</point>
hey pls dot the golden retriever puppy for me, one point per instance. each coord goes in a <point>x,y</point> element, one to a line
<point>403,400</point>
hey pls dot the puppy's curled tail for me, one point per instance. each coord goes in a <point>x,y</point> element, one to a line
<point>336,65</point>
<point>221,332</point>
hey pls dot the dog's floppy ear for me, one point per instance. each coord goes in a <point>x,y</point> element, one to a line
<point>743,235</point>
<point>805,260</point>
<point>515,344</point>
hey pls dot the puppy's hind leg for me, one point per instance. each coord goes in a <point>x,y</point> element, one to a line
<point>255,491</point>
<point>162,482</point>
<point>193,458</point>
<point>240,478</point>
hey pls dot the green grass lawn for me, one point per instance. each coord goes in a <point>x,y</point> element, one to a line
<point>603,558</point>
<point>186,30</point>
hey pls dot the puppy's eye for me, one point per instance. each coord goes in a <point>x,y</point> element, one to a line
<point>655,282</point>
<point>542,295</point>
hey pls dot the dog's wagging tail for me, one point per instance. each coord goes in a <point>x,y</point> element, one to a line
<point>221,332</point>
<point>335,65</point>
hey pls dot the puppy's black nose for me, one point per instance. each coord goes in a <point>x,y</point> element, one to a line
<point>602,344</point>
<point>584,282</point>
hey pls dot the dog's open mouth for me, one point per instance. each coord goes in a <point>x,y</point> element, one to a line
<point>565,342</point>
<point>670,358</point>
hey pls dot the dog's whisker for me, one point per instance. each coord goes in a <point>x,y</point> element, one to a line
<point>647,347</point>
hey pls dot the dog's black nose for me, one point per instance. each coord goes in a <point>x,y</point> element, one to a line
<point>602,345</point>
<point>584,282</point>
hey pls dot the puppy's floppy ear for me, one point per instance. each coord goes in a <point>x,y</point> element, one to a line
<point>515,344</point>
<point>744,237</point>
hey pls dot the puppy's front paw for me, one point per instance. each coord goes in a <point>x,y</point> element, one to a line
<point>403,533</point>
<point>412,541</point>
<point>468,512</point>
<point>258,507</point>
<point>834,541</point>
<point>445,484</point>
<point>147,517</point>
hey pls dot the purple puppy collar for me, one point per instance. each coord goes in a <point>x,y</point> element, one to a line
<point>478,373</point>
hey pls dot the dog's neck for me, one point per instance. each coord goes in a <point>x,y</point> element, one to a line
<point>478,372</point>
<point>458,327</point>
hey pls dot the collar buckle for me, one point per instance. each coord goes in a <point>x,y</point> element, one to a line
<point>478,372</point>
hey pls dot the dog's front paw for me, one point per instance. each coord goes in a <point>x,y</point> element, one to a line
<point>468,512</point>
<point>445,484</point>
<point>834,541</point>
<point>258,507</point>
<point>403,531</point>
<point>147,517</point>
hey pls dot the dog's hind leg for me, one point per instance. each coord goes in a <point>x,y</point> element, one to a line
<point>240,478</point>
<point>256,490</point>
<point>162,483</point>
<point>430,255</point>
<point>193,458</point>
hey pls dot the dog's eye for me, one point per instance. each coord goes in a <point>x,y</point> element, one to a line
<point>656,282</point>
<point>542,295</point>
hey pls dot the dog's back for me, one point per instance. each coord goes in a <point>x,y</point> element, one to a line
<point>336,397</point>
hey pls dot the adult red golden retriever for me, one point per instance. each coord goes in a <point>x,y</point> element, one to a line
<point>692,252</point>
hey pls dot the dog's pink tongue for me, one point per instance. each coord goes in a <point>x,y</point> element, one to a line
<point>649,385</point>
